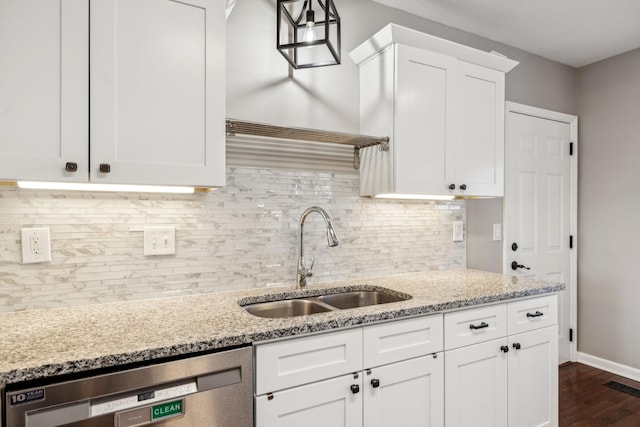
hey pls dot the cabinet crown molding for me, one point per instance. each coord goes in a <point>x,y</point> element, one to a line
<point>393,33</point>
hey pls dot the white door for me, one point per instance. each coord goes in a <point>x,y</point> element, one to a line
<point>538,207</point>
<point>44,90</point>
<point>405,394</point>
<point>480,140</point>
<point>157,91</point>
<point>533,378</point>
<point>325,403</point>
<point>424,134</point>
<point>476,385</point>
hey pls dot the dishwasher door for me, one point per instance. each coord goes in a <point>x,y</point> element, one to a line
<point>215,390</point>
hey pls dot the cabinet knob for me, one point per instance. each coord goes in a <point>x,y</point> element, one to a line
<point>355,388</point>
<point>452,186</point>
<point>375,383</point>
<point>463,187</point>
<point>514,246</point>
<point>105,167</point>
<point>71,167</point>
<point>517,345</point>
<point>504,349</point>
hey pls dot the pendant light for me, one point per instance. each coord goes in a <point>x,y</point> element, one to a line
<point>308,33</point>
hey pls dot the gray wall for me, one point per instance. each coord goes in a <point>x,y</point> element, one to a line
<point>261,88</point>
<point>483,253</point>
<point>609,207</point>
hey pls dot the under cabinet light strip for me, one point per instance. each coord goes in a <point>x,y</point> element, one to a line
<point>79,186</point>
<point>414,196</point>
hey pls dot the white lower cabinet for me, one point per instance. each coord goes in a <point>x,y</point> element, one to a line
<point>533,378</point>
<point>405,394</point>
<point>509,381</point>
<point>491,366</point>
<point>476,385</point>
<point>399,381</point>
<point>320,404</point>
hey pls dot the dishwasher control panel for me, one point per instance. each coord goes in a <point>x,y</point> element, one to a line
<point>141,399</point>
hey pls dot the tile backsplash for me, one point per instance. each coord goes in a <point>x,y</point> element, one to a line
<point>239,237</point>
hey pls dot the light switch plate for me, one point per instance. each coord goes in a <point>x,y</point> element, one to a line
<point>458,231</point>
<point>159,241</point>
<point>36,245</point>
<point>497,232</point>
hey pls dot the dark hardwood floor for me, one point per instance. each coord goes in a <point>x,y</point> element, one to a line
<point>586,401</point>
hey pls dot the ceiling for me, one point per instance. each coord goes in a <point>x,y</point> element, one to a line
<point>572,32</point>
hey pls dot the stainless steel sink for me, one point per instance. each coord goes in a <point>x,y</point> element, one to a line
<point>287,308</point>
<point>307,305</point>
<point>360,299</point>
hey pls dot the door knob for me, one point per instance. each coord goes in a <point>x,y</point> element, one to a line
<point>515,266</point>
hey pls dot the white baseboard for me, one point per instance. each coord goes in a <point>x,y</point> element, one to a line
<point>609,366</point>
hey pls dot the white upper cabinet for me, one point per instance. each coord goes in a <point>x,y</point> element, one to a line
<point>480,131</point>
<point>44,89</point>
<point>145,106</point>
<point>442,105</point>
<point>157,91</point>
<point>424,135</point>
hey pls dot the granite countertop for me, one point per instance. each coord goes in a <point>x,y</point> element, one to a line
<point>46,343</point>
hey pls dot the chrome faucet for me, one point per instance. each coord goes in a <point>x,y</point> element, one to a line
<point>332,240</point>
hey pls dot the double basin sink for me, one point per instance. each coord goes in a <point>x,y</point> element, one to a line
<point>308,305</point>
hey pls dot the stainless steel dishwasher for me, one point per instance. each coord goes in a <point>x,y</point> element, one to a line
<point>214,390</point>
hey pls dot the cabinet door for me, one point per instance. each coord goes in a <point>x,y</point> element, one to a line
<point>533,378</point>
<point>424,134</point>
<point>44,92</point>
<point>406,394</point>
<point>480,143</point>
<point>157,91</point>
<point>325,403</point>
<point>476,385</point>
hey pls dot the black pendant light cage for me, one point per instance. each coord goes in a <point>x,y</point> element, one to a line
<point>325,46</point>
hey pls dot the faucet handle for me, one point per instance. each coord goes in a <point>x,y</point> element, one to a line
<point>309,271</point>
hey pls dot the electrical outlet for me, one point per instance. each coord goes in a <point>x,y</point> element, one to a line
<point>159,241</point>
<point>458,231</point>
<point>36,245</point>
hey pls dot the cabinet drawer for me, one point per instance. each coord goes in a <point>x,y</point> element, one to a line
<point>532,314</point>
<point>401,340</point>
<point>285,364</point>
<point>475,325</point>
